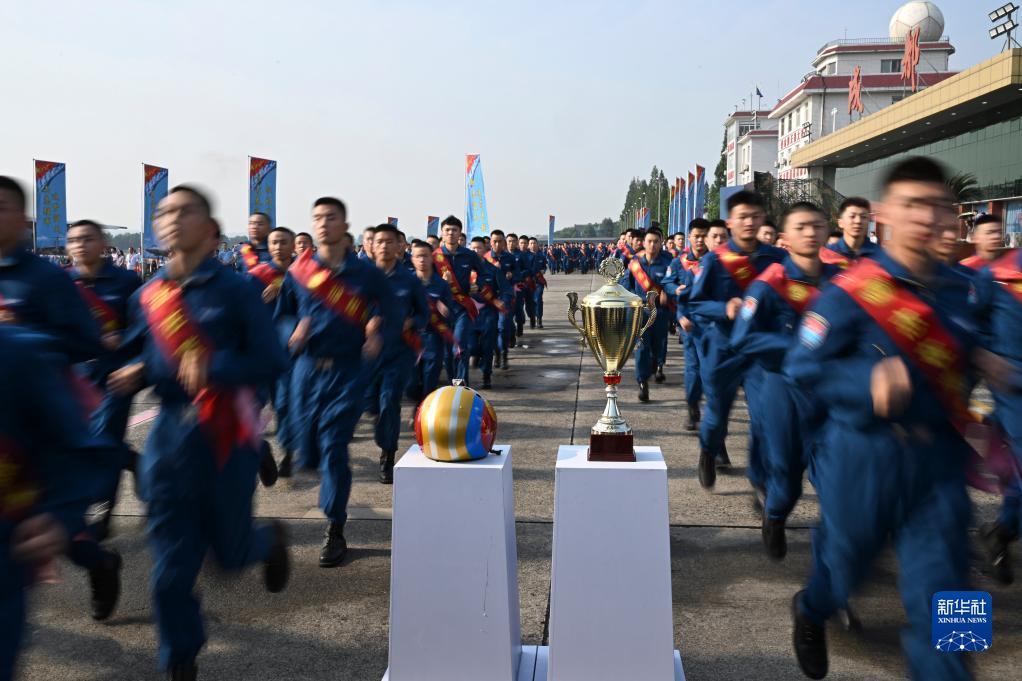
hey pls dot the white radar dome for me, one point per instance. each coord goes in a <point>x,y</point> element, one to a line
<point>925,15</point>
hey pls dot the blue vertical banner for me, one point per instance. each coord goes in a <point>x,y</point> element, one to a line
<point>690,199</point>
<point>550,231</point>
<point>392,221</point>
<point>155,184</point>
<point>262,187</point>
<point>682,207</point>
<point>670,211</point>
<point>50,204</point>
<point>476,221</point>
<point>432,225</point>
<point>700,192</point>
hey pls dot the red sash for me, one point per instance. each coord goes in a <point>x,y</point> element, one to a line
<point>19,493</point>
<point>832,257</point>
<point>738,266</point>
<point>486,293</point>
<point>974,262</point>
<point>647,284</point>
<point>443,266</point>
<point>691,265</point>
<point>414,341</point>
<point>267,274</point>
<point>175,334</point>
<point>916,330</point>
<point>488,255</point>
<point>1006,273</point>
<point>248,256</point>
<point>7,315</point>
<point>796,293</point>
<point>107,318</point>
<point>540,279</point>
<point>320,282</point>
<point>436,320</point>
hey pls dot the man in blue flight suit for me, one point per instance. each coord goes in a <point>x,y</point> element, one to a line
<point>715,301</point>
<point>509,275</point>
<point>367,244</point>
<point>491,297</point>
<point>345,308</point>
<point>52,470</point>
<point>762,334</point>
<point>393,368</point>
<point>678,283</point>
<point>998,289</point>
<point>539,266</point>
<point>106,290</point>
<point>646,273</point>
<point>255,250</point>
<point>887,352</point>
<point>438,334</point>
<point>853,218</point>
<point>455,264</point>
<point>199,335</point>
<point>525,301</point>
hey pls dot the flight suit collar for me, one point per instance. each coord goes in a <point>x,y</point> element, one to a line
<point>347,261</point>
<point>794,272</point>
<point>15,258</point>
<point>105,272</point>
<point>206,270</point>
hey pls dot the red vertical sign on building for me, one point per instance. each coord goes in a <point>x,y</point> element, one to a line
<point>855,92</point>
<point>910,60</point>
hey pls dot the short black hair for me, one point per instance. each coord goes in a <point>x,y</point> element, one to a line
<point>9,184</point>
<point>744,198</point>
<point>523,237</point>
<point>653,230</point>
<point>303,234</point>
<point>386,228</point>
<point>986,218</point>
<point>91,224</point>
<point>419,243</point>
<point>637,233</point>
<point>349,237</point>
<point>800,207</point>
<point>283,230</point>
<point>496,232</point>
<point>699,223</point>
<point>916,169</point>
<point>478,240</point>
<point>718,223</point>
<point>532,238</point>
<point>511,234</point>
<point>331,201</point>
<point>262,215</point>
<point>453,222</point>
<point>769,222</point>
<point>853,202</point>
<point>198,195</point>
<point>401,235</point>
<point>371,229</point>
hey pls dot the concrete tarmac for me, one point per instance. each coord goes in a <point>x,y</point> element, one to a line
<point>731,605</point>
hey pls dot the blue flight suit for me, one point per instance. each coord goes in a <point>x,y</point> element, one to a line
<point>539,265</point>
<point>901,478</point>
<point>329,374</point>
<point>486,324</point>
<point>195,505</point>
<point>262,252</point>
<point>393,368</point>
<point>647,352</point>
<point>679,284</point>
<point>784,418</point>
<point>525,303</point>
<point>463,263</point>
<point>115,286</point>
<point>867,250</point>
<point>1000,316</point>
<point>280,395</point>
<point>506,322</point>
<point>43,437</point>
<point>711,290</point>
<point>434,347</point>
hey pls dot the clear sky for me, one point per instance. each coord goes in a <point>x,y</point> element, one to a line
<point>378,102</point>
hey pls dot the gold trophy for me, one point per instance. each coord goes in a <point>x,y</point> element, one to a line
<point>611,326</point>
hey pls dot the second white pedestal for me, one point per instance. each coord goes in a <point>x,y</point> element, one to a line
<point>454,613</point>
<point>610,593</point>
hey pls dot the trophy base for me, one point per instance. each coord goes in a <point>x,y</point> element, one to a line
<point>611,447</point>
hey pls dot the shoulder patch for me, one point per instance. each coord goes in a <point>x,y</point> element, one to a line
<point>749,306</point>
<point>813,330</point>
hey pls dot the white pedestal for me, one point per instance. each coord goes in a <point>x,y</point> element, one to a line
<point>610,594</point>
<point>454,612</point>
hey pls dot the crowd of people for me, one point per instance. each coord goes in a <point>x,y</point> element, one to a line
<point>856,361</point>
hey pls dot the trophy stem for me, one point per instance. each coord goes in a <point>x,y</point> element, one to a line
<point>611,421</point>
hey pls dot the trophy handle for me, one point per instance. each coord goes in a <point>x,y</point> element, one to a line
<point>572,310</point>
<point>651,297</point>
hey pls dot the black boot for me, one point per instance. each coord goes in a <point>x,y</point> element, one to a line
<point>105,582</point>
<point>503,361</point>
<point>267,466</point>
<point>99,520</point>
<point>532,322</point>
<point>334,547</point>
<point>521,328</point>
<point>758,499</point>
<point>707,471</point>
<point>774,540</point>
<point>643,391</point>
<point>810,641</point>
<point>183,672</point>
<point>286,465</point>
<point>539,322</point>
<point>994,538</point>
<point>660,378</point>
<point>475,361</point>
<point>723,460</point>
<point>849,620</point>
<point>487,383</point>
<point>277,567</point>
<point>387,468</point>
<point>693,419</point>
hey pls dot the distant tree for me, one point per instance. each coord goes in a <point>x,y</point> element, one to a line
<point>964,188</point>
<point>719,178</point>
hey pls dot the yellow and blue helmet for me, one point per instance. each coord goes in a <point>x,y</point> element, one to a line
<point>455,423</point>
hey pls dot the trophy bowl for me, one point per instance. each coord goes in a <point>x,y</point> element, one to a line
<point>612,323</point>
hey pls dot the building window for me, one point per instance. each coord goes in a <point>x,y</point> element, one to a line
<point>831,68</point>
<point>890,66</point>
<point>744,128</point>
